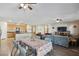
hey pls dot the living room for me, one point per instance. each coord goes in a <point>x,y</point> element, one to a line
<point>49,26</point>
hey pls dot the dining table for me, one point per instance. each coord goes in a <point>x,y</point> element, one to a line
<point>41,47</point>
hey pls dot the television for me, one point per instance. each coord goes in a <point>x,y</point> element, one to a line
<point>62,29</point>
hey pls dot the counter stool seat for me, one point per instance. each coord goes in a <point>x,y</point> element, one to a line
<point>74,42</point>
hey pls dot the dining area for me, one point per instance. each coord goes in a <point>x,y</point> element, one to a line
<point>31,47</point>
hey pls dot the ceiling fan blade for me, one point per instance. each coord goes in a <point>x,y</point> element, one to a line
<point>20,7</point>
<point>30,7</point>
<point>31,3</point>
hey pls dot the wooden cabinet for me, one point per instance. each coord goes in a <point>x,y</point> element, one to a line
<point>11,27</point>
<point>22,27</point>
<point>11,34</point>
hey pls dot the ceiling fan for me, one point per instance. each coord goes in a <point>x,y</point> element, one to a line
<point>58,20</point>
<point>26,5</point>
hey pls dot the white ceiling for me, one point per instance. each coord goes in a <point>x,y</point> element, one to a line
<point>41,13</point>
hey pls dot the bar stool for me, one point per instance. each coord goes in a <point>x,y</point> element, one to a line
<point>23,51</point>
<point>74,42</point>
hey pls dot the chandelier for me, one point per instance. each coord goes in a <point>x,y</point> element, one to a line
<point>26,6</point>
<point>58,20</point>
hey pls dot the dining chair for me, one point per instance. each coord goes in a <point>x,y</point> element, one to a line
<point>23,51</point>
<point>48,39</point>
<point>15,47</point>
<point>26,50</point>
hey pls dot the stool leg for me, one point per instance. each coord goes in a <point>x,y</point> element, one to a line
<point>72,44</point>
<point>12,50</point>
<point>75,44</point>
<point>15,52</point>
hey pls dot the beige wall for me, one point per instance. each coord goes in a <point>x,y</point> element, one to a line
<point>74,30</point>
<point>70,27</point>
<point>60,25</point>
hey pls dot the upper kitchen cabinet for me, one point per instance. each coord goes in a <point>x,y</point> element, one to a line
<point>21,27</point>
<point>11,27</point>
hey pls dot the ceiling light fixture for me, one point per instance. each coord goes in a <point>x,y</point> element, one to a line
<point>26,5</point>
<point>58,20</point>
<point>21,4</point>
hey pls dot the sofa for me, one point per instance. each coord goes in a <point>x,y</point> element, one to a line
<point>59,40</point>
